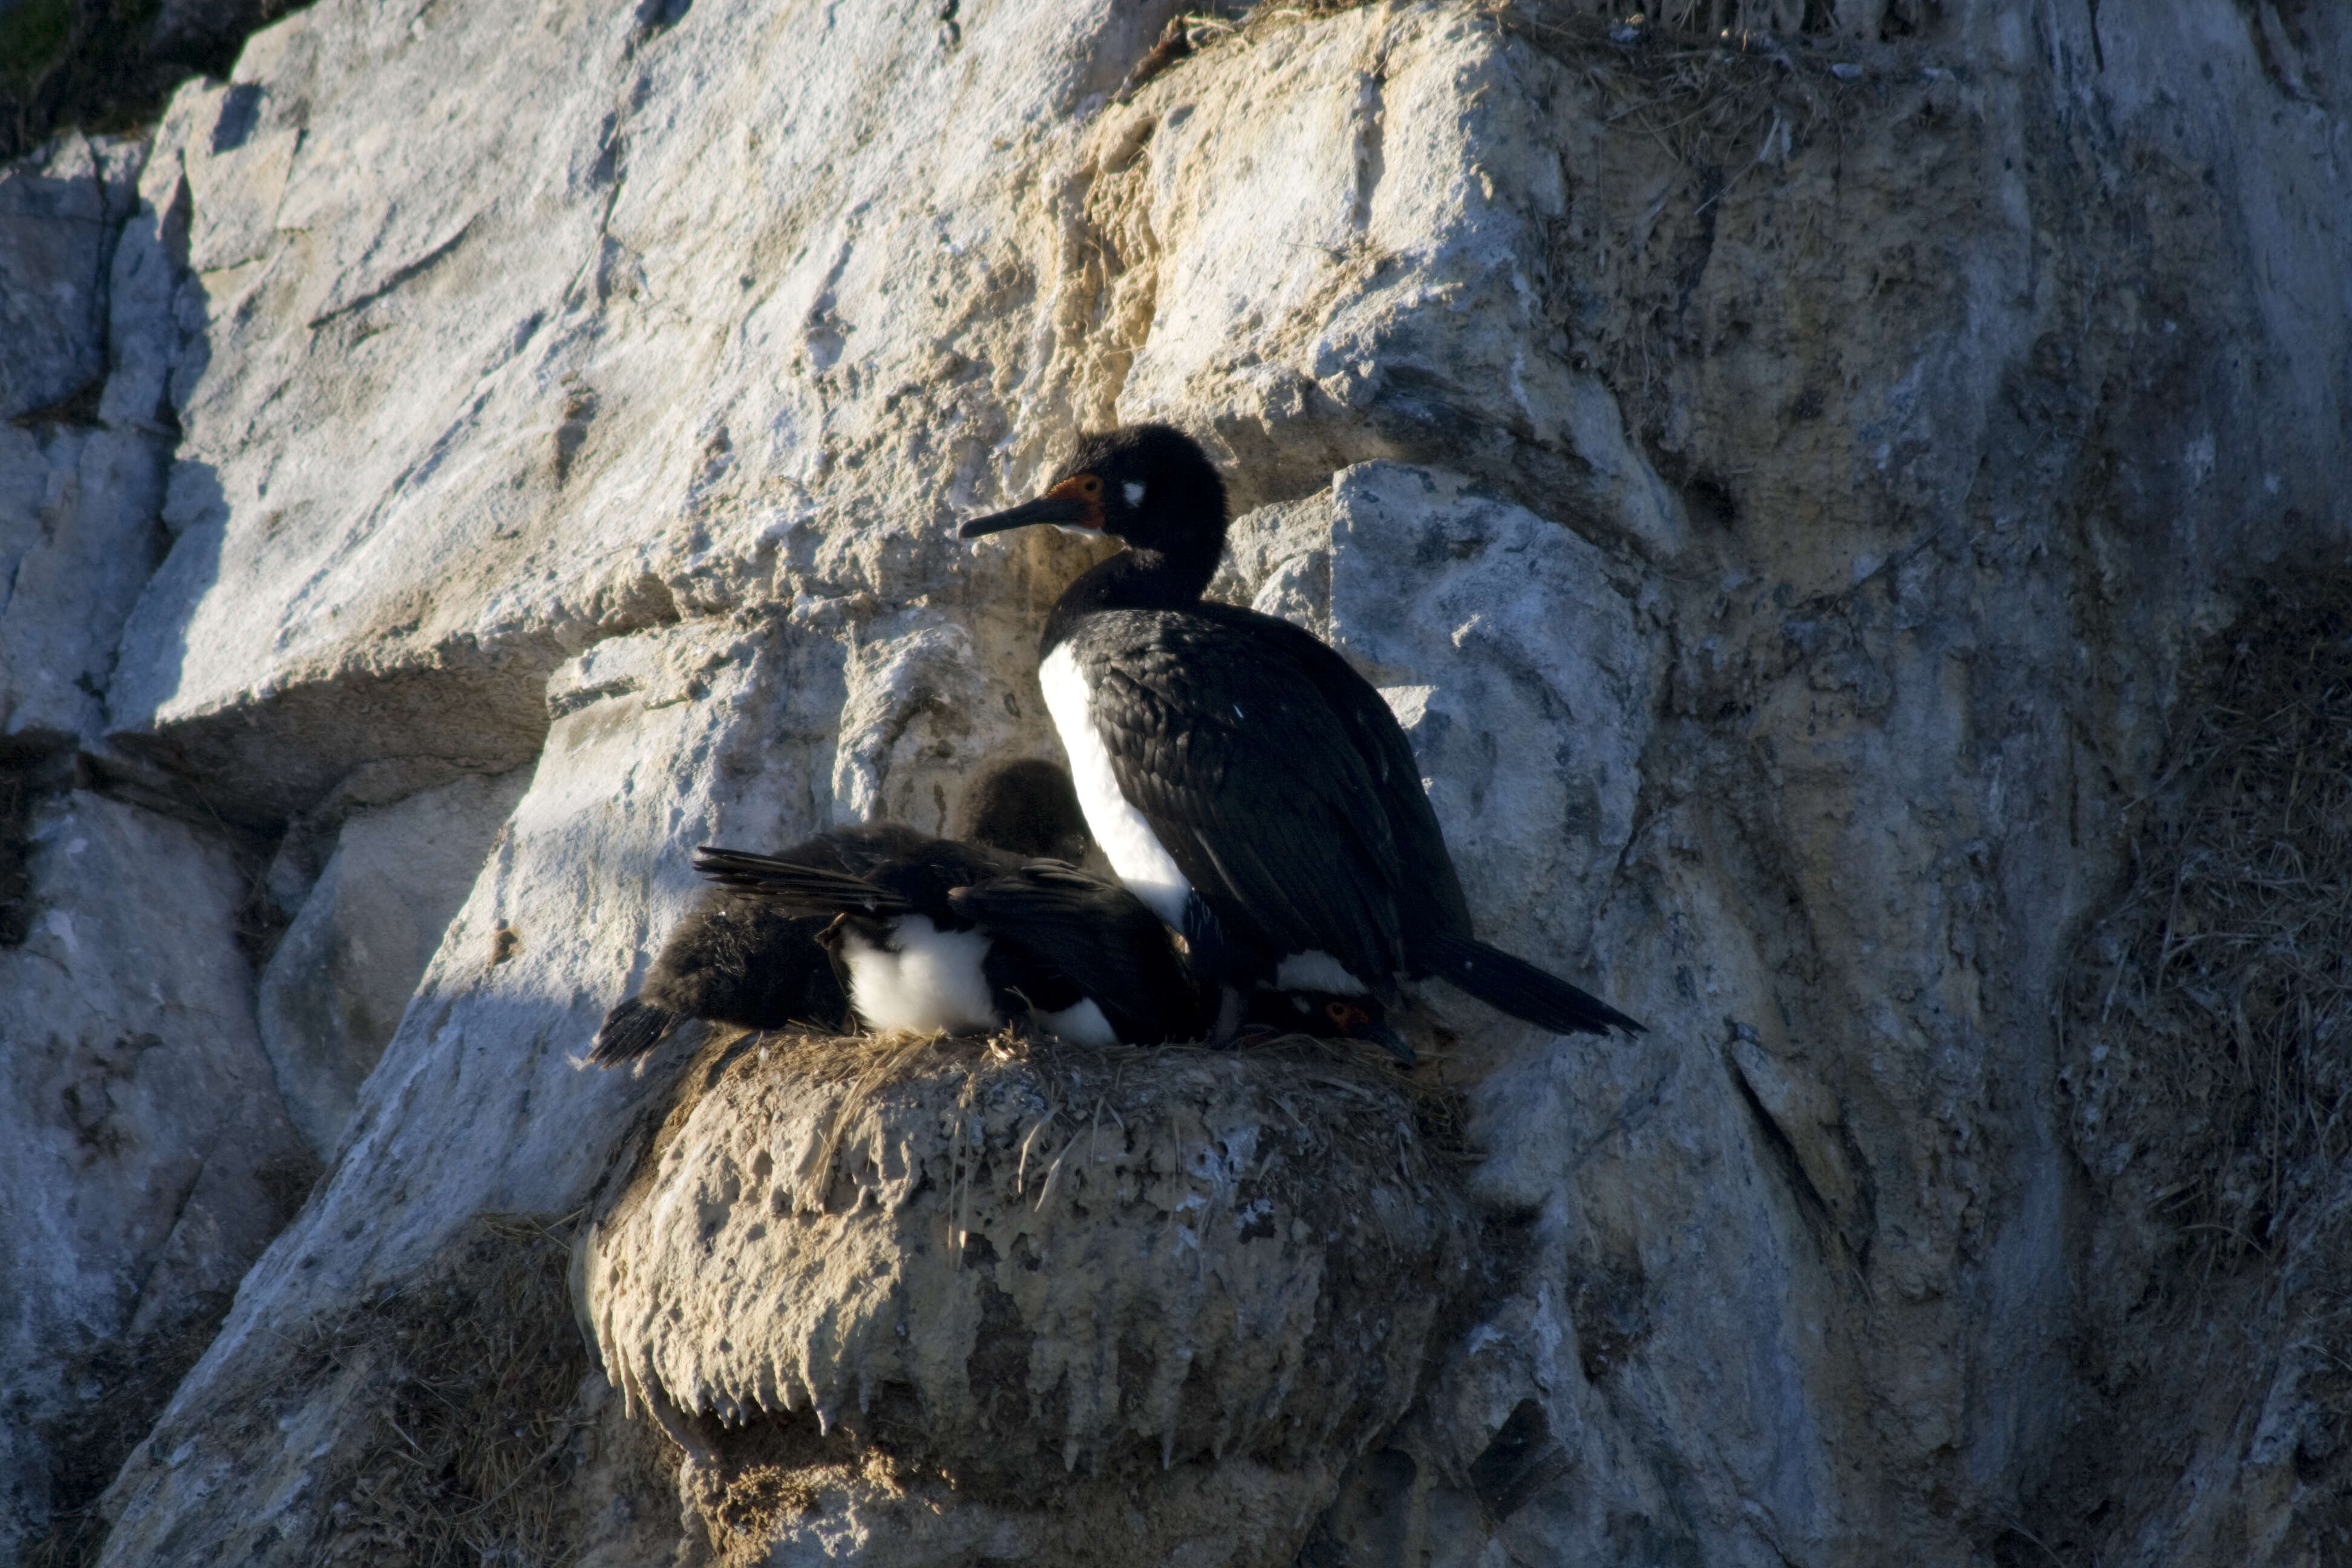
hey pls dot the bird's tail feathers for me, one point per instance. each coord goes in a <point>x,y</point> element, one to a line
<point>1514,987</point>
<point>630,1030</point>
<point>801,890</point>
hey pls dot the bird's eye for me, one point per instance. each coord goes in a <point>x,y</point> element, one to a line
<point>1091,486</point>
<point>1338,1012</point>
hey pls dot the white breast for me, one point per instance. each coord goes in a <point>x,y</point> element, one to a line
<point>1315,970</point>
<point>932,985</point>
<point>1083,1024</point>
<point>1128,842</point>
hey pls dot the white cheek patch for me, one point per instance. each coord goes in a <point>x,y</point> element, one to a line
<point>1315,970</point>
<point>1133,492</point>
<point>1128,842</point>
<point>933,983</point>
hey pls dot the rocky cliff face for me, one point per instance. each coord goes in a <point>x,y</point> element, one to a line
<point>1798,487</point>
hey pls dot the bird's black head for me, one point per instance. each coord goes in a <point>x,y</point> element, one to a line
<point>1151,485</point>
<point>1027,807</point>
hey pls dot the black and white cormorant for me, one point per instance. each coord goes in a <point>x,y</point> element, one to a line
<point>1117,951</point>
<point>948,938</point>
<point>956,938</point>
<point>1241,777</point>
<point>743,958</point>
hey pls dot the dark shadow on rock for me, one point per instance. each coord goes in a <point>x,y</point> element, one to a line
<point>31,767</point>
<point>660,16</point>
<point>56,243</point>
<point>110,64</point>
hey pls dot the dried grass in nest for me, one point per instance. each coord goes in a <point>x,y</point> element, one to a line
<point>474,1371</point>
<point>1073,1076</point>
<point>2325,1452</point>
<point>774,1471</point>
<point>2211,1010</point>
<point>1021,1114</point>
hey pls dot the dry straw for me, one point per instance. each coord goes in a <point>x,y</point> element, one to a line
<point>2216,999</point>
<point>472,1373</point>
<point>1080,1083</point>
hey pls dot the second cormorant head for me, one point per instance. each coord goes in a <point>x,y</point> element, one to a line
<point>1027,807</point>
<point>1327,1015</point>
<point>1151,485</point>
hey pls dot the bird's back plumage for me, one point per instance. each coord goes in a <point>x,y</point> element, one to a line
<point>1276,778</point>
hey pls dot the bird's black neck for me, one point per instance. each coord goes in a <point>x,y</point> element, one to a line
<point>1134,580</point>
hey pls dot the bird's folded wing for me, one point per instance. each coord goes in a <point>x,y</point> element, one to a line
<point>1256,787</point>
<point>804,890</point>
<point>1102,938</point>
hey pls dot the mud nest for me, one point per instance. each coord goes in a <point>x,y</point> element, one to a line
<point>1170,1295</point>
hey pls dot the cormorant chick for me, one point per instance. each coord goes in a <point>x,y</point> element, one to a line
<point>739,958</point>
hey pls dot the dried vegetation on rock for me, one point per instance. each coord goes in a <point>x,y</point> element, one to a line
<point>2208,1081</point>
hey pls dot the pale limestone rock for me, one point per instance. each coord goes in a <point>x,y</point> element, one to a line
<point>1351,244</point>
<point>146,1158</point>
<point>76,543</point>
<point>917,709</point>
<point>342,975</point>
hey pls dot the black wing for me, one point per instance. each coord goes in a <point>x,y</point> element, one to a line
<point>858,849</point>
<point>1438,903</point>
<point>631,1029</point>
<point>1276,777</point>
<point>1101,938</point>
<point>803,889</point>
